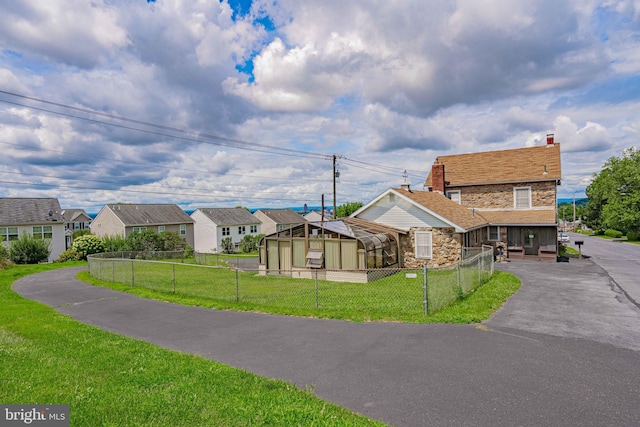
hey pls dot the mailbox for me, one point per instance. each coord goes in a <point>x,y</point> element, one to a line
<point>579,244</point>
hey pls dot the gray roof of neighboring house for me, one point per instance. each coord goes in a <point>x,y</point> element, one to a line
<point>70,215</point>
<point>15,211</point>
<point>229,216</point>
<point>283,216</point>
<point>145,214</point>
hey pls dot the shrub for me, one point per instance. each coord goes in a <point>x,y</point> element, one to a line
<point>4,251</point>
<point>170,241</point>
<point>633,236</point>
<point>79,233</point>
<point>227,245</point>
<point>70,255</point>
<point>249,243</point>
<point>613,233</point>
<point>87,245</point>
<point>188,251</point>
<point>29,249</point>
<point>115,243</point>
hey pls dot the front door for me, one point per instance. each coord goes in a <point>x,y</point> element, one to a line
<point>531,239</point>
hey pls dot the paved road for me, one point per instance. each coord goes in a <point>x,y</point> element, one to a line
<point>501,373</point>
<point>620,260</point>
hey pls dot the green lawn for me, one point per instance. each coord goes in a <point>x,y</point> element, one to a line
<point>111,380</point>
<point>392,298</point>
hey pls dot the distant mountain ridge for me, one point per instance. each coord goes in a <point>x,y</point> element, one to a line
<point>579,202</point>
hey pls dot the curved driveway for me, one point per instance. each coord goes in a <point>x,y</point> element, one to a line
<point>563,351</point>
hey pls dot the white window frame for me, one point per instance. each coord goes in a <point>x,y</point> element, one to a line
<point>515,197</point>
<point>241,229</point>
<point>497,228</point>
<point>254,229</point>
<point>8,234</point>
<point>226,231</point>
<point>161,228</point>
<point>42,231</point>
<point>139,230</point>
<point>451,193</point>
<point>183,229</point>
<point>423,241</point>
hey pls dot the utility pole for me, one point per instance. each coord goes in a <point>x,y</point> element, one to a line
<point>334,186</point>
<point>574,208</point>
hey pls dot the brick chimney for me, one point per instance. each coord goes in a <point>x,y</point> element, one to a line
<point>549,139</point>
<point>437,177</point>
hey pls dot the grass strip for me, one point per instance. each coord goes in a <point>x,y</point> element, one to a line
<point>382,300</point>
<point>111,380</point>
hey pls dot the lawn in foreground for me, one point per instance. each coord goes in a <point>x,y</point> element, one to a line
<point>393,298</point>
<point>111,380</point>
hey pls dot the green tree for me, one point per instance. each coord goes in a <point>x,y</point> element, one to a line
<point>170,241</point>
<point>347,209</point>
<point>614,194</point>
<point>29,249</point>
<point>249,243</point>
<point>227,245</point>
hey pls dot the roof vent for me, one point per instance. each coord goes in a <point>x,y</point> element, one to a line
<point>549,139</point>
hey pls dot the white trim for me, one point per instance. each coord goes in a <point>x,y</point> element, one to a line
<point>423,244</point>
<point>515,197</point>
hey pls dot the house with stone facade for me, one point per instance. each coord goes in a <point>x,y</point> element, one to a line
<point>514,190</point>
<point>436,229</point>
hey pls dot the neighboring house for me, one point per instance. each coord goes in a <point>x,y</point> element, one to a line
<point>214,224</point>
<point>124,219</point>
<point>41,218</point>
<point>436,228</point>
<point>515,190</point>
<point>74,220</point>
<point>278,219</point>
<point>316,216</point>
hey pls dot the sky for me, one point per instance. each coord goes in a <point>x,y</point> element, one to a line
<point>208,103</point>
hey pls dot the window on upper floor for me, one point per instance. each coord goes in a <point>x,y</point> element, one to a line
<point>183,229</point>
<point>254,229</point>
<point>139,229</point>
<point>225,231</point>
<point>241,229</point>
<point>522,197</point>
<point>454,195</point>
<point>161,228</point>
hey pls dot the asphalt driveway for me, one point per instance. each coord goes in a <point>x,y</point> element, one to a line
<point>562,351</point>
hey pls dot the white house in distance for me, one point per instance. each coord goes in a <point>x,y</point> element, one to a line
<point>123,219</point>
<point>214,224</point>
<point>274,220</point>
<point>40,217</point>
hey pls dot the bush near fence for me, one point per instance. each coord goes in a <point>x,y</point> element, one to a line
<point>391,292</point>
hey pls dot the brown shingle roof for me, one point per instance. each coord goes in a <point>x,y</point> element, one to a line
<point>491,167</point>
<point>449,210</point>
<point>521,217</point>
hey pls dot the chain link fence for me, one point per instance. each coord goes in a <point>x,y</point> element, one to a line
<point>377,293</point>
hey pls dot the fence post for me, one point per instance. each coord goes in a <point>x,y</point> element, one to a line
<point>237,287</point>
<point>424,281</point>
<point>459,281</point>
<point>113,270</point>
<point>316,288</point>
<point>173,276</point>
<point>479,270</point>
<point>133,275</point>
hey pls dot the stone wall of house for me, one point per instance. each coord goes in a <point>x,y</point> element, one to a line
<point>500,196</point>
<point>446,247</point>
